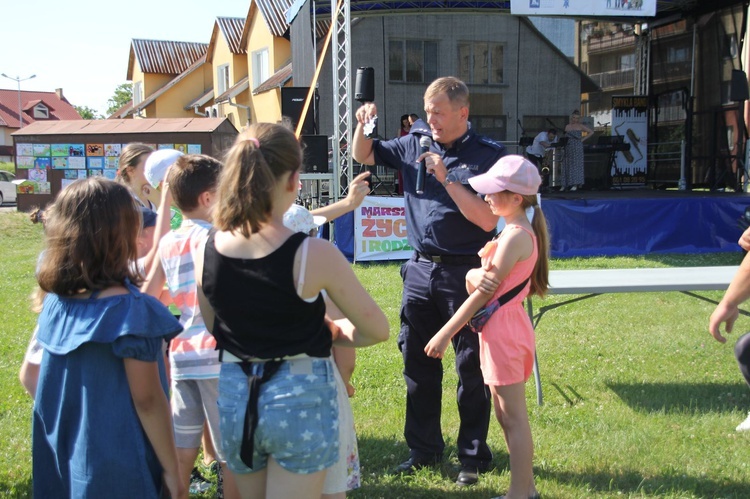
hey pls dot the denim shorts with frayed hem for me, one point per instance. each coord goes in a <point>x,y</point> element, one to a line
<point>297,416</point>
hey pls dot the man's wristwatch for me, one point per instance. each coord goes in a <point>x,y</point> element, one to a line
<point>451,178</point>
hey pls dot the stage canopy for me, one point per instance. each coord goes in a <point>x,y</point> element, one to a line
<point>665,9</point>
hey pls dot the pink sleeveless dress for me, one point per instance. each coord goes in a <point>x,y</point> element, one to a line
<point>506,344</point>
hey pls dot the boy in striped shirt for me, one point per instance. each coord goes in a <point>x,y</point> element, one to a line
<point>194,360</point>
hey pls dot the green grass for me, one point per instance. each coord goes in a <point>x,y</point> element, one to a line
<point>640,401</point>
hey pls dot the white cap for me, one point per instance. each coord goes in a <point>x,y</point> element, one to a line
<point>157,164</point>
<point>299,219</point>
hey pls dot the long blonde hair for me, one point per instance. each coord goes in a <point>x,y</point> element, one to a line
<point>260,156</point>
<point>540,275</point>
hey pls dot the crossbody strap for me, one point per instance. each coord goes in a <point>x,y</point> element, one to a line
<point>509,295</point>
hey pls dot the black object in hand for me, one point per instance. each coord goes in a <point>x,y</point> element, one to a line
<point>424,142</point>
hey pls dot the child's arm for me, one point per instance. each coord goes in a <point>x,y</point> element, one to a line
<point>345,359</point>
<point>437,346</point>
<point>155,281</point>
<point>511,248</point>
<point>153,411</point>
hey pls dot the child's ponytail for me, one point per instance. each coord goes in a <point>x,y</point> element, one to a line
<point>540,275</point>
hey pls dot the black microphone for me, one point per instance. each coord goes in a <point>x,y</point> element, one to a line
<point>424,142</point>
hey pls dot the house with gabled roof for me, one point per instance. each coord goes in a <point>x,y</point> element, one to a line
<point>170,79</point>
<point>228,59</point>
<point>269,53</point>
<point>35,106</point>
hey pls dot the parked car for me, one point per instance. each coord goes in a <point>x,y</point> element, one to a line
<point>7,187</point>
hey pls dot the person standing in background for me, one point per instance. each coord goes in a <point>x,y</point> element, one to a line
<point>572,177</point>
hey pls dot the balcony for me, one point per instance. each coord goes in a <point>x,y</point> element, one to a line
<point>668,114</point>
<point>672,71</point>
<point>604,42</point>
<point>611,80</point>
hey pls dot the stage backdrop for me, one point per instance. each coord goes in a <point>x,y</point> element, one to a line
<point>692,223</point>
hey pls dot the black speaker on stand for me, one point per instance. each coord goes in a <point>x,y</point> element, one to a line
<point>292,103</point>
<point>315,153</point>
<point>364,85</point>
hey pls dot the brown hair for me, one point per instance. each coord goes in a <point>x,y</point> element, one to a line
<point>130,156</point>
<point>91,232</point>
<point>190,176</point>
<point>455,89</point>
<point>540,275</point>
<point>259,158</point>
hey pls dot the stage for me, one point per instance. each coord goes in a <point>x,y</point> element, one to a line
<point>634,221</point>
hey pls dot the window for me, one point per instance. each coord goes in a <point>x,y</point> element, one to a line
<point>480,63</point>
<point>260,67</point>
<point>222,79</point>
<point>137,92</point>
<point>678,54</point>
<point>413,61</point>
<point>627,61</point>
<point>41,111</point>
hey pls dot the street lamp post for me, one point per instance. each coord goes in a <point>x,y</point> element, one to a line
<point>18,80</point>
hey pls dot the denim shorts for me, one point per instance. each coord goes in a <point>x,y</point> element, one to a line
<point>297,416</point>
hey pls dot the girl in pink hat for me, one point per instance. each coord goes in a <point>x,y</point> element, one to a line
<point>514,264</point>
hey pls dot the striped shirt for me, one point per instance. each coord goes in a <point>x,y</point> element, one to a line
<point>192,354</point>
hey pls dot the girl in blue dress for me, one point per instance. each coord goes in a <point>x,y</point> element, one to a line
<point>101,424</point>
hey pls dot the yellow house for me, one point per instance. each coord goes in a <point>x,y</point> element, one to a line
<point>170,79</point>
<point>228,59</point>
<point>269,55</point>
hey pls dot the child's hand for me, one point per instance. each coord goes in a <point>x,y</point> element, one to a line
<point>177,489</point>
<point>488,283</point>
<point>350,389</point>
<point>437,346</point>
<point>333,327</point>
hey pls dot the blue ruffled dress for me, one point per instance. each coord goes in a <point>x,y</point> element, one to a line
<point>87,438</point>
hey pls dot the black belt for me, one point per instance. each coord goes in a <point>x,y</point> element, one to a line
<point>450,259</point>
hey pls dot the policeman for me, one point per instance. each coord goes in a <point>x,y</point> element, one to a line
<point>446,225</point>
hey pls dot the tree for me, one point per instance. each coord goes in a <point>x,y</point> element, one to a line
<point>87,113</point>
<point>123,95</point>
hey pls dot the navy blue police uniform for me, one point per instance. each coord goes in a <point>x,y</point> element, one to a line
<point>446,246</point>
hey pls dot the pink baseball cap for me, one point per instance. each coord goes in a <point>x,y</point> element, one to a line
<point>510,173</point>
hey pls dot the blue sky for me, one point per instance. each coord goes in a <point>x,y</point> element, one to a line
<point>82,46</point>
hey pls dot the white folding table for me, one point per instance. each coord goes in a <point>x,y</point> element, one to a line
<point>590,283</point>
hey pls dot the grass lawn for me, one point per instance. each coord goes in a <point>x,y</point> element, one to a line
<point>640,401</point>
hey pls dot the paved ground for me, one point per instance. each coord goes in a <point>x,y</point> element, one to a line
<point>7,208</point>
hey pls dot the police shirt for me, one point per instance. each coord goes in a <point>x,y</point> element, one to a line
<point>434,223</point>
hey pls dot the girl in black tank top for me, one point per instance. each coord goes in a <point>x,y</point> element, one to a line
<point>271,332</point>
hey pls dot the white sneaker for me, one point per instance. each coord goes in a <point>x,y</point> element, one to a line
<point>745,425</point>
<point>575,187</point>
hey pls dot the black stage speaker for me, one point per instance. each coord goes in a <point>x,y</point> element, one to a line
<point>364,86</point>
<point>738,90</point>
<point>315,153</point>
<point>292,102</point>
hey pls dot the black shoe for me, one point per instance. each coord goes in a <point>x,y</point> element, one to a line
<point>414,463</point>
<point>469,475</point>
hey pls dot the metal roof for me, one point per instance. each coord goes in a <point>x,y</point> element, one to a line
<point>277,80</point>
<point>155,125</point>
<point>274,13</point>
<point>231,28</point>
<point>234,90</point>
<point>165,57</point>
